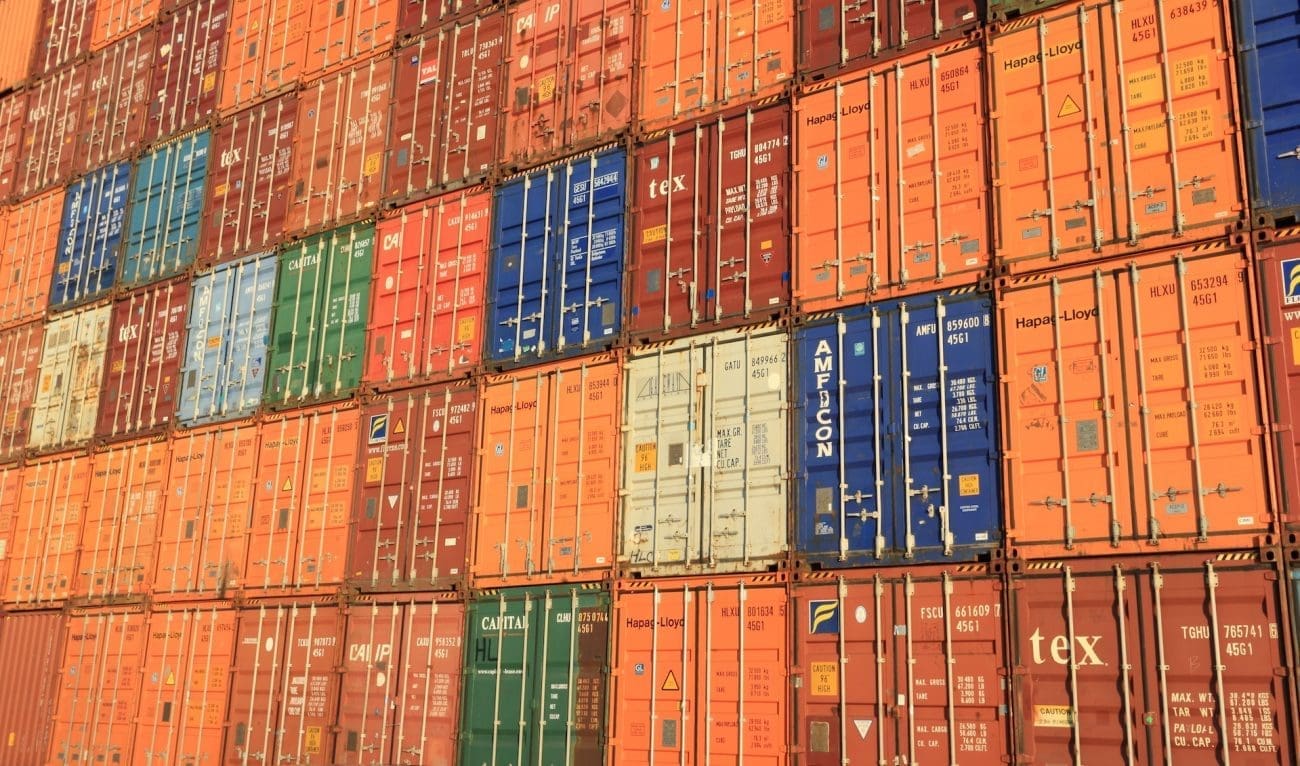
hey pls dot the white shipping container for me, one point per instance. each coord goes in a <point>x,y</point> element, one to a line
<point>705,455</point>
<point>72,368</point>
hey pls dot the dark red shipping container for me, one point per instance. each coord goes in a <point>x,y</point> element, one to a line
<point>1176,659</point>
<point>20,361</point>
<point>114,111</point>
<point>13,115</point>
<point>1279,272</point>
<point>446,105</point>
<point>400,697</point>
<point>50,133</point>
<point>146,340</point>
<point>31,648</point>
<point>835,34</point>
<point>417,16</point>
<point>711,231</point>
<point>248,179</point>
<point>187,67</point>
<point>64,34</point>
<point>416,490</point>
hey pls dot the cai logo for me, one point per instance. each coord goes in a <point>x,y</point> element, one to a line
<point>1291,281</point>
<point>378,429</point>
<point>823,617</point>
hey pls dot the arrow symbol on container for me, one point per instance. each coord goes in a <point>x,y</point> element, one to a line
<point>392,501</point>
<point>863,726</point>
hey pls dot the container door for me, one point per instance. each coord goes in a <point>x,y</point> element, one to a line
<point>191,43</point>
<point>1265,34</point>
<point>345,312</point>
<point>754,48</point>
<point>411,164</point>
<point>51,510</point>
<point>471,101</point>
<point>523,266</point>
<point>166,210</point>
<point>27,256</point>
<point>99,691</point>
<point>141,370</point>
<point>598,94</point>
<point>298,319</point>
<point>93,212</point>
<point>677,60</point>
<point>112,118</point>
<point>20,358</point>
<point>119,544</point>
<point>32,645</point>
<point>536,80</point>
<point>266,50</point>
<point>72,366</point>
<point>430,681</point>
<point>371,679</point>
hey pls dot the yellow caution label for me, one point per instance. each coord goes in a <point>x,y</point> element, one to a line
<point>372,164</point>
<point>209,82</point>
<point>546,88</point>
<point>1145,87</point>
<point>1195,126</point>
<point>287,486</point>
<point>374,469</point>
<point>465,330</point>
<point>1053,716</point>
<point>824,679</point>
<point>670,683</point>
<point>647,457</point>
<point>765,245</point>
<point>118,365</point>
<point>13,738</point>
<point>968,484</point>
<point>1295,345</point>
<point>313,739</point>
<point>214,341</point>
<point>171,678</point>
<point>1068,107</point>
<point>400,428</point>
<point>654,234</point>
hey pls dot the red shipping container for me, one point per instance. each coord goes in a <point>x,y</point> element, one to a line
<point>411,517</point>
<point>64,34</point>
<point>119,538</point>
<point>307,463</point>
<point>930,637</point>
<point>568,77</point>
<point>418,16</point>
<point>248,179</point>
<point>115,19</point>
<point>284,686</point>
<point>345,31</point>
<point>266,49</point>
<point>1279,278</point>
<point>142,364</point>
<point>20,360</point>
<point>114,111</point>
<point>203,541</point>
<point>834,34</point>
<point>186,685</point>
<point>1176,659</point>
<point>50,134</point>
<point>711,231</point>
<point>400,696</point>
<point>426,317</point>
<point>13,116</point>
<point>446,104</point>
<point>22,28</point>
<point>29,239</point>
<point>338,153</point>
<point>187,67</point>
<point>32,648</point>
<point>99,686</point>
<point>51,508</point>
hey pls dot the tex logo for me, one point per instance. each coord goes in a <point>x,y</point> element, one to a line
<point>378,429</point>
<point>824,617</point>
<point>1291,281</point>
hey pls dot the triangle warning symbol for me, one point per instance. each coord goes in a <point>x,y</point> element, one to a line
<point>1068,108</point>
<point>392,501</point>
<point>400,428</point>
<point>670,683</point>
<point>288,486</point>
<point>863,725</point>
<point>171,679</point>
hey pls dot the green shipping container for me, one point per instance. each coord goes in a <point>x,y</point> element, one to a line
<point>536,672</point>
<point>322,302</point>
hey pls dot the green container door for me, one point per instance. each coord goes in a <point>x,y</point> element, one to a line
<point>539,656</point>
<point>321,310</point>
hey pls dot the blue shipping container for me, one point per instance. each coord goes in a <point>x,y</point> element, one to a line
<point>94,212</point>
<point>897,433</point>
<point>229,327</point>
<point>166,210</point>
<point>557,260</point>
<point>1268,37</point>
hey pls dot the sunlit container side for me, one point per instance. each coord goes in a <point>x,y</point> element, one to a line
<point>64,34</point>
<point>1166,659</point>
<point>568,77</point>
<point>399,701</point>
<point>701,671</point>
<point>142,364</point>
<point>90,236</point>
<point>115,19</point>
<point>114,113</point>
<point>51,507</point>
<point>836,35</point>
<point>411,518</point>
<point>1267,32</point>
<point>166,210</point>
<point>29,239</point>
<point>71,374</point>
<point>556,278</point>
<point>705,455</point>
<point>318,341</point>
<point>249,179</point>
<point>124,506</point>
<point>20,359</point>
<point>930,637</point>
<point>99,686</point>
<point>896,433</point>
<point>1133,419</point>
<point>426,316</point>
<point>711,226</point>
<point>1279,285</point>
<point>49,146</point>
<point>348,31</point>
<point>696,58</point>
<point>536,676</point>
<point>338,153</point>
<point>11,488</point>
<point>13,116</point>
<point>306,474</point>
<point>22,25</point>
<point>891,179</point>
<point>1114,131</point>
<point>32,645</point>
<point>187,67</point>
<point>185,684</point>
<point>284,685</point>
<point>203,543</point>
<point>417,16</point>
<point>266,49</point>
<point>443,129</point>
<point>547,474</point>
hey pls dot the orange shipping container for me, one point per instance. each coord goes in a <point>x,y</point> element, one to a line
<point>13,115</point>
<point>1135,420</point>
<point>307,464</point>
<point>20,359</point>
<point>51,507</point>
<point>548,474</point>
<point>348,30</point>
<point>31,646</point>
<point>22,22</point>
<point>701,671</point>
<point>29,239</point>
<point>891,181</point>
<point>1115,129</point>
<point>568,77</point>
<point>115,19</point>
<point>11,487</point>
<point>119,538</point>
<point>265,50</point>
<point>698,56</point>
<point>203,545</point>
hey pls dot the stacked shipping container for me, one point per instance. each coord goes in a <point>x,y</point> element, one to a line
<point>486,383</point>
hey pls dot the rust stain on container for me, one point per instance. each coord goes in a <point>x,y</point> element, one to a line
<point>187,67</point>
<point>51,507</point>
<point>20,359</point>
<point>119,538</point>
<point>142,363</point>
<point>29,240</point>
<point>32,648</point>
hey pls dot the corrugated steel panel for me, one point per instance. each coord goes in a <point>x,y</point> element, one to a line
<point>143,360</point>
<point>64,34</point>
<point>705,463</point>
<point>114,111</point>
<point>266,49</point>
<point>50,133</point>
<point>20,359</point>
<point>556,281</point>
<point>119,538</point>
<point>32,648</point>
<point>115,19</point>
<point>29,239</point>
<point>834,34</point>
<point>72,369</point>
<point>13,116</point>
<point>896,433</point>
<point>417,16</point>
<point>187,67</point>
<point>90,236</point>
<point>1268,32</point>
<point>22,24</point>
<point>51,505</point>
<point>167,196</point>
<point>11,486</point>
<point>1279,280</point>
<point>226,338</point>
<point>318,341</point>
<point>345,31</point>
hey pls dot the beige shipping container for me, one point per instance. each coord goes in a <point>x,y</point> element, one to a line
<point>705,457</point>
<point>72,368</point>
